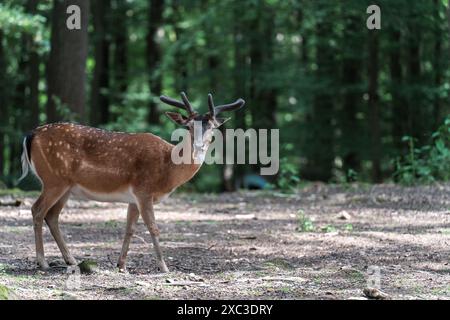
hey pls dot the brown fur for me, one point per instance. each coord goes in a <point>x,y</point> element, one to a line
<point>66,156</point>
<point>105,162</point>
<point>112,166</point>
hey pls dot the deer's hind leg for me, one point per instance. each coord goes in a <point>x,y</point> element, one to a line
<point>52,219</point>
<point>48,198</point>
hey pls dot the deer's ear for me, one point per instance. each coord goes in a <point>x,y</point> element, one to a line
<point>221,121</point>
<point>177,118</point>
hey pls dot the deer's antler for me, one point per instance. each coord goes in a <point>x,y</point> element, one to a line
<point>185,105</point>
<point>214,111</point>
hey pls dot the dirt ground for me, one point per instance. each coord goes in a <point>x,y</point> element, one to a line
<point>324,242</point>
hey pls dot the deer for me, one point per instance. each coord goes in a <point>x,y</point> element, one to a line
<point>94,164</point>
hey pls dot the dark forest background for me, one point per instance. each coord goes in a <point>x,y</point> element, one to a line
<point>351,104</point>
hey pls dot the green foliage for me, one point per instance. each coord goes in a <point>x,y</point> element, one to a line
<point>352,175</point>
<point>4,292</point>
<point>428,163</point>
<point>13,22</point>
<point>305,224</point>
<point>348,227</point>
<point>88,266</point>
<point>288,178</point>
<point>329,228</point>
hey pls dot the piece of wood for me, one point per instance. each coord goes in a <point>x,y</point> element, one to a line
<point>11,203</point>
<point>375,293</point>
<point>171,282</point>
<point>282,279</point>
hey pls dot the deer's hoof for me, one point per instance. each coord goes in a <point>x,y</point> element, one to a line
<point>71,262</point>
<point>163,268</point>
<point>43,266</point>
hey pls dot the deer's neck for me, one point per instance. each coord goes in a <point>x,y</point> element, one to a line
<point>182,173</point>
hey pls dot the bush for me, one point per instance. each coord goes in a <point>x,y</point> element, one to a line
<point>288,178</point>
<point>426,164</point>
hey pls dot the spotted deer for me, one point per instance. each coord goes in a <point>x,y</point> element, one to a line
<point>134,168</point>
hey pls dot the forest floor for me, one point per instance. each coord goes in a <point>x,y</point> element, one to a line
<point>323,242</point>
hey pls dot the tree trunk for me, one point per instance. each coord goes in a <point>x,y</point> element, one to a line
<point>19,98</point>
<point>352,96</point>
<point>320,149</point>
<point>120,38</point>
<point>263,96</point>
<point>261,54</point>
<point>399,111</point>
<point>34,89</point>
<point>3,105</point>
<point>154,58</point>
<point>180,59</point>
<point>34,74</point>
<point>18,109</point>
<point>67,62</point>
<point>232,174</point>
<point>99,112</point>
<point>437,68</point>
<point>416,117</point>
<point>374,107</point>
<point>448,22</point>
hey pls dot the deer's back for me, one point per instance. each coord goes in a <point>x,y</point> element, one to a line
<point>95,159</point>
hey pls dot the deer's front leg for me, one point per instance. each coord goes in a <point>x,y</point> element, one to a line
<point>146,210</point>
<point>132,218</point>
<point>52,219</point>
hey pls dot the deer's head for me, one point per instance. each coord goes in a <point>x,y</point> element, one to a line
<point>200,126</point>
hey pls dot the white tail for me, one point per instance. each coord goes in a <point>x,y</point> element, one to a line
<point>26,164</point>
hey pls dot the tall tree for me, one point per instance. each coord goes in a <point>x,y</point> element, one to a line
<point>155,16</point>
<point>99,111</point>
<point>448,43</point>
<point>261,53</point>
<point>120,56</point>
<point>27,87</point>
<point>180,54</point>
<point>261,56</point>
<point>34,74</point>
<point>67,63</point>
<point>413,70</point>
<point>233,173</point>
<point>351,79</point>
<point>3,105</point>
<point>437,68</point>
<point>399,112</point>
<point>374,106</point>
<point>321,143</point>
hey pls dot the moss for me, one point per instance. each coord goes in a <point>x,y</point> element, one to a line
<point>4,292</point>
<point>88,266</point>
<point>280,263</point>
